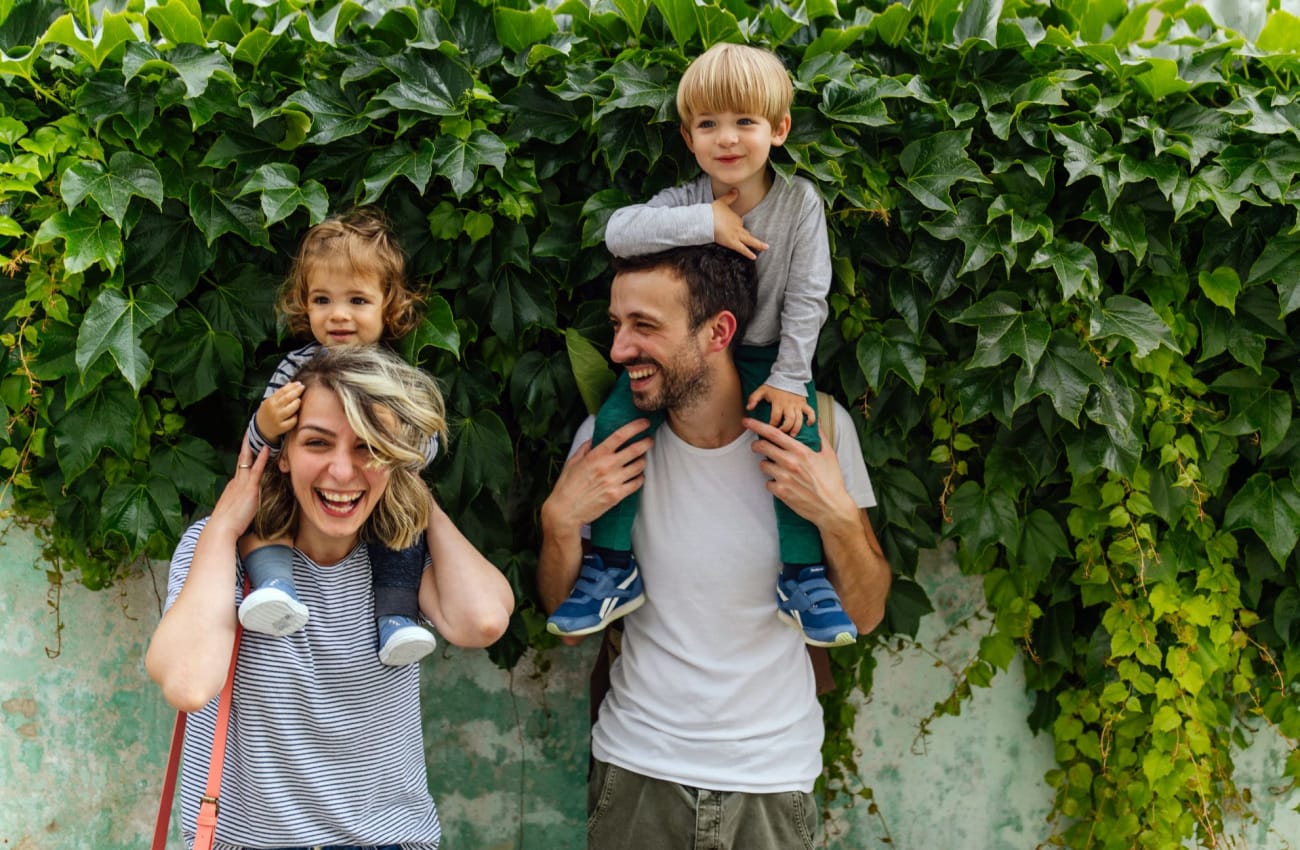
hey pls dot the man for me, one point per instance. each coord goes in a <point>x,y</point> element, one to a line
<point>710,736</point>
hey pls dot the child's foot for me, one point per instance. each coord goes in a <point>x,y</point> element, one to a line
<point>601,595</point>
<point>403,641</point>
<point>810,604</point>
<point>273,609</point>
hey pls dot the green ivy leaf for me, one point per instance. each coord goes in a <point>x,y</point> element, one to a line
<point>193,63</point>
<point>971,226</point>
<point>114,324</point>
<point>1130,319</point>
<point>538,114</point>
<point>166,247</point>
<point>623,133</point>
<point>538,384</point>
<point>104,419</point>
<point>335,113</point>
<point>199,358</point>
<point>254,46</point>
<point>895,351</point>
<point>1279,263</point>
<point>399,160</point>
<point>437,330</point>
<point>981,519</point>
<point>590,369</point>
<point>1064,374</point>
<point>1270,507</point>
<point>1074,263</point>
<point>481,457</point>
<point>114,29</point>
<point>128,175</point>
<point>459,160</point>
<point>88,237</point>
<point>215,213</point>
<point>1004,330</point>
<point>139,511</point>
<point>634,87</point>
<point>431,84</point>
<point>1088,149</point>
<point>856,102</point>
<point>100,100</point>
<point>906,606</point>
<point>680,17</point>
<point>192,465</point>
<point>242,302</point>
<point>283,191</point>
<point>935,164</point>
<point>176,22</point>
<point>1221,286</point>
<point>1255,406</point>
<point>518,30</point>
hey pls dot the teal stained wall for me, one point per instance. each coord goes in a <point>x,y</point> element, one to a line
<point>83,736</point>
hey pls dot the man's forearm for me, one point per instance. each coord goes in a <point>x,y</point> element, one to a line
<point>558,562</point>
<point>857,567</point>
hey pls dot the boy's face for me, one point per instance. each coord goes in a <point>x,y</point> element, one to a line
<point>344,306</point>
<point>733,147</point>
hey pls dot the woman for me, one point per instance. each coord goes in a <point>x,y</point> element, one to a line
<point>325,746</point>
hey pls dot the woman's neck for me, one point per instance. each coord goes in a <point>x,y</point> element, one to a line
<point>323,550</point>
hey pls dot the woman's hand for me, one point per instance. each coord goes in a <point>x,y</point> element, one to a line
<point>237,505</point>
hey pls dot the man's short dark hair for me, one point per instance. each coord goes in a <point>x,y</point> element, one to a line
<point>716,278</point>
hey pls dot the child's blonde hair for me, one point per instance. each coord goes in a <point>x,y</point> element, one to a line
<point>735,78</point>
<point>363,239</point>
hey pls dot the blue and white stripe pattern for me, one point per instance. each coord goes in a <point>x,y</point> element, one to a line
<point>325,744</point>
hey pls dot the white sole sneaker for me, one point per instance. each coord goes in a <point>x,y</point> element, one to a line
<point>271,611</point>
<point>407,646</point>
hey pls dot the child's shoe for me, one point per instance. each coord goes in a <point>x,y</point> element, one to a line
<point>810,604</point>
<point>403,641</point>
<point>601,595</point>
<point>273,609</point>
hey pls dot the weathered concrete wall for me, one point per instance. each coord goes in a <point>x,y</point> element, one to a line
<point>83,736</point>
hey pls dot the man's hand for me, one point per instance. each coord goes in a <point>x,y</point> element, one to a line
<point>598,477</point>
<point>789,410</point>
<point>729,229</point>
<point>278,412</point>
<point>810,483</point>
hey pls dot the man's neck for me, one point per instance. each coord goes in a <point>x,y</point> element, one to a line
<point>715,420</point>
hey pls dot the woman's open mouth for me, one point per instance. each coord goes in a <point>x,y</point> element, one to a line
<point>339,504</point>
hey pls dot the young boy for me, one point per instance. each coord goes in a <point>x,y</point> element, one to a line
<point>734,105</point>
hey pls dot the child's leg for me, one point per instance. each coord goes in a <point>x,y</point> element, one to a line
<point>396,576</point>
<point>609,573</point>
<point>611,533</point>
<point>273,607</point>
<point>805,597</point>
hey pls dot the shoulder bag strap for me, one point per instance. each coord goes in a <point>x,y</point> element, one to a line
<point>208,805</point>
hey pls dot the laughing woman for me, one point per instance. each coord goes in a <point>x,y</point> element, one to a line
<point>325,747</point>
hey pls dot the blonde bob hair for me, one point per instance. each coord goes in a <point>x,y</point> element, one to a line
<point>735,78</point>
<point>396,410</point>
<point>362,241</point>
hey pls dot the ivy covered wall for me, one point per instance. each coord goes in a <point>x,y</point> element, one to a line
<point>1064,312</point>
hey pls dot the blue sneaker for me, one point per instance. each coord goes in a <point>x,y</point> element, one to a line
<point>601,595</point>
<point>403,641</point>
<point>812,606</point>
<point>273,609</point>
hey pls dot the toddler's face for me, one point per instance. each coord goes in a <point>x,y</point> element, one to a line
<point>345,306</point>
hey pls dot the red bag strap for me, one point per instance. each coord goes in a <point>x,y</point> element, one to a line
<point>206,825</point>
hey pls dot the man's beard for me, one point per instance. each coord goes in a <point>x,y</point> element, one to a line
<point>683,383</point>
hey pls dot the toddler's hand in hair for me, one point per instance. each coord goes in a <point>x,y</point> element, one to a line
<point>278,413</point>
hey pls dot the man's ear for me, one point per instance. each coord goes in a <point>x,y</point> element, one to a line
<point>780,130</point>
<point>722,328</point>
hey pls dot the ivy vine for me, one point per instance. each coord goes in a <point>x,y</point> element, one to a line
<point>1067,270</point>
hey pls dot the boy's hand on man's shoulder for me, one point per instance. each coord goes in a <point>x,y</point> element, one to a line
<point>729,228</point>
<point>790,411</point>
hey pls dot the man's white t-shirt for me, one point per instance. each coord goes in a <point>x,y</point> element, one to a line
<point>712,690</point>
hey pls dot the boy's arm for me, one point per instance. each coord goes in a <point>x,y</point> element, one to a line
<point>803,309</point>
<point>677,216</point>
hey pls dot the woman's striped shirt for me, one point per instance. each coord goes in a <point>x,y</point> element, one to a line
<point>325,744</point>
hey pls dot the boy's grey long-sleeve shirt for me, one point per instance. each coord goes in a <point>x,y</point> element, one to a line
<point>794,273</point>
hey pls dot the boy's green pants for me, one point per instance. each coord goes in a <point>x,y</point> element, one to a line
<point>801,543</point>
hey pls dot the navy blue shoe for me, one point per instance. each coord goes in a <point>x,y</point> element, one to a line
<point>403,641</point>
<point>811,605</point>
<point>601,595</point>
